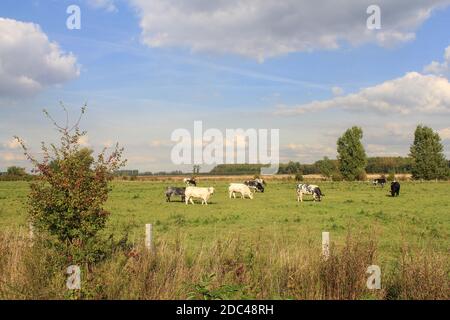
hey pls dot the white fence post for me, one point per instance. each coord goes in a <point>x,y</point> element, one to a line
<point>326,245</point>
<point>30,231</point>
<point>148,236</point>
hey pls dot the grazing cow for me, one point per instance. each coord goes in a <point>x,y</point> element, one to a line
<point>190,181</point>
<point>241,188</point>
<point>309,189</point>
<point>174,191</point>
<point>379,181</point>
<point>199,193</point>
<point>255,185</point>
<point>260,181</point>
<point>395,189</point>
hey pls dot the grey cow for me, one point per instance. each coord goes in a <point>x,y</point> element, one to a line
<point>174,191</point>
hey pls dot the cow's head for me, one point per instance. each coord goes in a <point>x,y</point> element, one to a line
<point>260,187</point>
<point>317,194</point>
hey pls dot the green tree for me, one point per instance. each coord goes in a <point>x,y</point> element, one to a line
<point>293,167</point>
<point>67,199</point>
<point>351,155</point>
<point>16,171</point>
<point>326,167</point>
<point>427,153</point>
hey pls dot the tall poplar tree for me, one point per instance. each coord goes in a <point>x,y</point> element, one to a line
<point>351,154</point>
<point>428,157</point>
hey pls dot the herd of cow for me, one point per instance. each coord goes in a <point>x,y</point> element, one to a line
<point>249,187</point>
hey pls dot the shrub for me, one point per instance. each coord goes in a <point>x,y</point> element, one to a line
<point>391,176</point>
<point>362,176</point>
<point>66,199</point>
<point>337,176</point>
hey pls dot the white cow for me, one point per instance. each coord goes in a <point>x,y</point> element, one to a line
<point>241,188</point>
<point>198,193</point>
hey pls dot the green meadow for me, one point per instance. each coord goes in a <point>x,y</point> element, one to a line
<point>420,217</point>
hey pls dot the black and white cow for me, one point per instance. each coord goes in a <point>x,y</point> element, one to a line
<point>255,185</point>
<point>379,181</point>
<point>190,181</point>
<point>260,181</point>
<point>395,189</point>
<point>174,191</point>
<point>309,189</point>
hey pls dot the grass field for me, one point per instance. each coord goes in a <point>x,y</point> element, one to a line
<point>266,248</point>
<point>419,217</point>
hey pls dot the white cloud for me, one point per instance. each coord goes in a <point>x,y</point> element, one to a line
<point>84,141</point>
<point>161,143</point>
<point>29,61</point>
<point>107,143</point>
<point>399,130</point>
<point>11,157</point>
<point>439,68</point>
<point>265,28</point>
<point>378,150</point>
<point>303,148</point>
<point>337,91</point>
<point>375,148</point>
<point>306,153</point>
<point>413,92</point>
<point>107,5</point>
<point>444,133</point>
<point>12,144</point>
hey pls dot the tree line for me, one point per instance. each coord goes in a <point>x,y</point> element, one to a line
<point>425,161</point>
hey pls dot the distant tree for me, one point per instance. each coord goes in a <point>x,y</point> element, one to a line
<point>293,167</point>
<point>427,153</point>
<point>388,164</point>
<point>326,167</point>
<point>351,154</point>
<point>337,176</point>
<point>16,171</point>
<point>391,176</point>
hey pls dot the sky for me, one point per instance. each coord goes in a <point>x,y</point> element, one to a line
<point>311,69</point>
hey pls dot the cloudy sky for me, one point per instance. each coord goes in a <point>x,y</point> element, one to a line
<point>147,67</point>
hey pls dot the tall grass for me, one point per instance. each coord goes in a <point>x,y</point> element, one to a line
<point>224,269</point>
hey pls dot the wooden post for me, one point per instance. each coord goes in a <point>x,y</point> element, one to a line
<point>30,231</point>
<point>30,234</point>
<point>148,236</point>
<point>326,245</point>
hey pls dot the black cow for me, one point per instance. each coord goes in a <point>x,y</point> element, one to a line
<point>174,191</point>
<point>255,185</point>
<point>395,189</point>
<point>379,181</point>
<point>190,181</point>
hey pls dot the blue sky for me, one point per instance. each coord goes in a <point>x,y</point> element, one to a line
<point>146,68</point>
